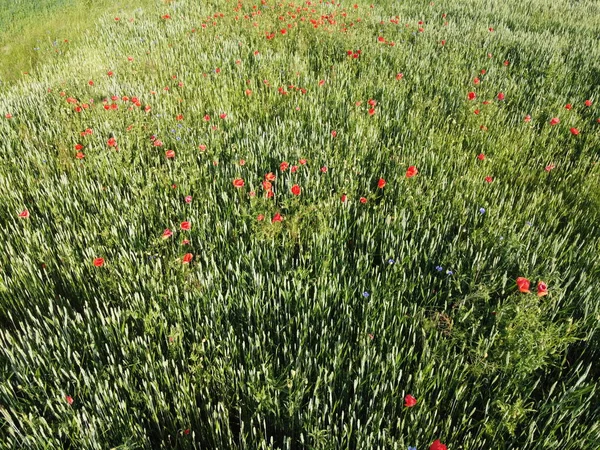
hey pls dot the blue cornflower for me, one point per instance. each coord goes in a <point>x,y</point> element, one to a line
<point>482,210</point>
<point>529,223</point>
<point>366,294</point>
<point>449,272</point>
<point>412,448</point>
<point>391,261</point>
<point>439,268</point>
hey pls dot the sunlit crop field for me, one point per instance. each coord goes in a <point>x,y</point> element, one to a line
<point>303,225</point>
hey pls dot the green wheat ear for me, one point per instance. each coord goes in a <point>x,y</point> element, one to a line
<point>310,332</point>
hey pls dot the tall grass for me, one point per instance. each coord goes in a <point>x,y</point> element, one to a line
<point>306,332</point>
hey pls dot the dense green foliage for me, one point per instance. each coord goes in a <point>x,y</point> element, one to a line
<point>306,332</point>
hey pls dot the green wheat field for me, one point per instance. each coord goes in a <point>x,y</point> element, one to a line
<point>300,224</point>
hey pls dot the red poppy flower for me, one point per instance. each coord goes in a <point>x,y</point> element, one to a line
<point>411,172</point>
<point>167,234</point>
<point>110,73</point>
<point>112,142</point>
<point>79,155</point>
<point>437,445</point>
<point>283,166</point>
<point>8,116</point>
<point>554,121</point>
<point>24,214</point>
<point>185,242</point>
<point>542,289</point>
<point>476,80</point>
<point>69,399</point>
<point>527,118</point>
<point>270,176</point>
<point>471,96</point>
<point>260,217</point>
<point>381,39</point>
<point>574,131</point>
<point>343,198</point>
<point>568,106</point>
<point>187,258</point>
<point>324,169</point>
<point>372,102</point>
<point>179,117</point>
<point>91,83</point>
<point>481,157</point>
<point>523,285</point>
<point>294,169</point>
<point>78,146</point>
<point>185,225</point>
<point>549,167</point>
<point>276,218</point>
<point>381,183</point>
<point>476,112</point>
<point>399,76</point>
<point>238,182</point>
<point>296,189</point>
<point>170,154</point>
<point>202,147</point>
<point>409,401</point>
<point>363,200</point>
<point>333,133</point>
<point>98,262</point>
<point>500,96</point>
<point>371,111</point>
<point>588,103</point>
<point>188,199</point>
<point>267,185</point>
<point>207,118</point>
